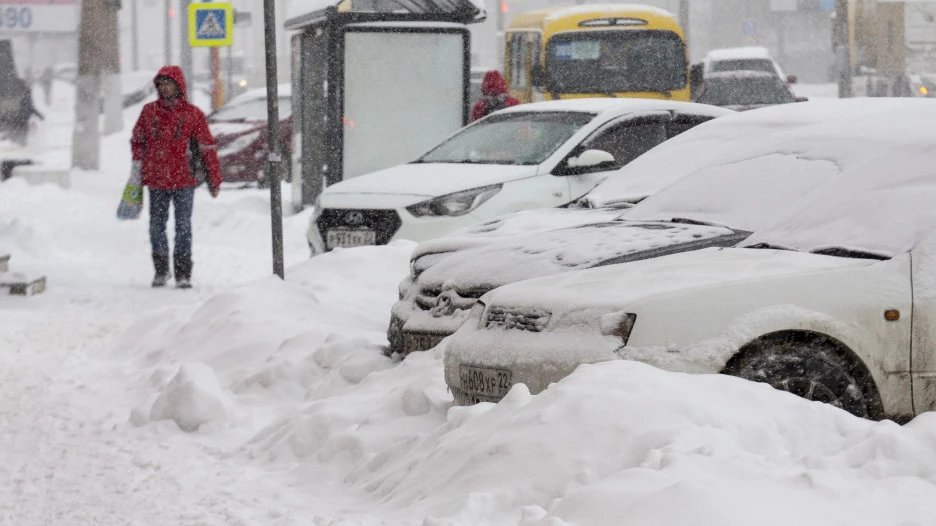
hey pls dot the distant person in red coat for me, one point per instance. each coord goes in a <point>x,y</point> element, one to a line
<point>495,96</point>
<point>169,135</point>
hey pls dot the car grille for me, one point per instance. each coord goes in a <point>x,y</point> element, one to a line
<point>534,321</point>
<point>428,298</point>
<point>384,223</point>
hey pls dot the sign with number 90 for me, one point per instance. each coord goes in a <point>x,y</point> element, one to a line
<point>16,18</point>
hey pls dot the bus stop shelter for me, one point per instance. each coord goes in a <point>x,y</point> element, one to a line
<point>375,83</point>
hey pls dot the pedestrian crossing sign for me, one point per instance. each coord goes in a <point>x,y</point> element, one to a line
<point>211,24</point>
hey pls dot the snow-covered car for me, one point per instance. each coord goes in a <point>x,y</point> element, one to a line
<point>240,131</point>
<point>731,176</point>
<point>752,58</point>
<point>744,90</point>
<point>529,156</point>
<point>835,301</point>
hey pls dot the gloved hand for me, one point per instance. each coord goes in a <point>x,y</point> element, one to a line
<point>136,168</point>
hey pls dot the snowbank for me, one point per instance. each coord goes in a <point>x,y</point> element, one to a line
<point>302,364</point>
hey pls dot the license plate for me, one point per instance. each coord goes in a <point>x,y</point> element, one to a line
<point>489,384</point>
<point>420,341</point>
<point>350,238</point>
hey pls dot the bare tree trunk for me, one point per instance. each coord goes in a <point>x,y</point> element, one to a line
<point>110,70</point>
<point>86,142</point>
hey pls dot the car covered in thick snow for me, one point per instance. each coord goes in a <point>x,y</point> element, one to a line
<point>751,58</point>
<point>732,175</point>
<point>528,156</point>
<point>834,301</point>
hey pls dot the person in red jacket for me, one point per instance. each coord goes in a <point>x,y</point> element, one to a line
<point>163,142</point>
<point>495,97</point>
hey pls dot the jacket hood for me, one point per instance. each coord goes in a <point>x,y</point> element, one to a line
<point>175,73</point>
<point>493,84</point>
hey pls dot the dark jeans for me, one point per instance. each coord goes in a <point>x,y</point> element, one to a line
<point>182,200</point>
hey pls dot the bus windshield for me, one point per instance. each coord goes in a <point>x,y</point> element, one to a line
<point>616,62</point>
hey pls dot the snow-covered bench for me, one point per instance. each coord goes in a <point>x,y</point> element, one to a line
<point>17,282</point>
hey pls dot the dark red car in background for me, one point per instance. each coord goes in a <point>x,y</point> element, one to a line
<point>240,131</point>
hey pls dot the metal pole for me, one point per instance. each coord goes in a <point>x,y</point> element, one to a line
<point>185,50</point>
<point>274,158</point>
<point>684,19</point>
<point>134,28</point>
<point>217,94</point>
<point>229,82</point>
<point>167,37</point>
<point>842,49</point>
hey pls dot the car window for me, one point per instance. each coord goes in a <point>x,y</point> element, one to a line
<point>743,91</point>
<point>627,141</point>
<point>254,110</point>
<point>754,64</point>
<point>510,138</point>
<point>682,123</point>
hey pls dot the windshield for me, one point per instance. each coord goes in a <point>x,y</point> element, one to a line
<point>742,91</point>
<point>513,138</point>
<point>616,62</point>
<point>751,64</point>
<point>254,110</point>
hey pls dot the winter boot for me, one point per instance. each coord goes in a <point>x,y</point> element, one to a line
<point>161,264</point>
<point>183,271</point>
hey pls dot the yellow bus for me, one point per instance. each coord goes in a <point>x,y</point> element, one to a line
<point>615,50</point>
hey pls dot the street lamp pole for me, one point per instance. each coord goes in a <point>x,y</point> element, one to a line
<point>274,157</point>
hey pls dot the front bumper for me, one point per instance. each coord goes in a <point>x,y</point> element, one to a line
<point>536,359</point>
<point>388,225</point>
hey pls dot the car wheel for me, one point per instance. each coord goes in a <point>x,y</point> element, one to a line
<point>810,370</point>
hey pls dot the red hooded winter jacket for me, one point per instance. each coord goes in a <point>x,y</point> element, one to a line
<point>493,86</point>
<point>161,140</point>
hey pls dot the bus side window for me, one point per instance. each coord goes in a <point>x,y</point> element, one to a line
<point>537,73</point>
<point>518,62</point>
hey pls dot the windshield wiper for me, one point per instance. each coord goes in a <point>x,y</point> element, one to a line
<point>237,120</point>
<point>842,252</point>
<point>687,221</point>
<point>768,246</point>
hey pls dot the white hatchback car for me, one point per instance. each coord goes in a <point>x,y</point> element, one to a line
<point>530,156</point>
<point>835,301</point>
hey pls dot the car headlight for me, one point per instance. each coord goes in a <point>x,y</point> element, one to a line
<point>239,143</point>
<point>618,324</point>
<point>477,314</point>
<point>453,205</point>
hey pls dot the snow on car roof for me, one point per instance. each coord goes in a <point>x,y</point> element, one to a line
<point>882,204</point>
<point>737,53</point>
<point>743,136</point>
<point>620,105</point>
<point>284,90</point>
<point>607,9</point>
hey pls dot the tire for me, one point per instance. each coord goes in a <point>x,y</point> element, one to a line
<point>810,370</point>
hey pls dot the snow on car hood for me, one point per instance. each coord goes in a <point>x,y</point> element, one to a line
<point>883,206</point>
<point>431,179</point>
<point>522,223</point>
<point>747,194</point>
<point>616,286</point>
<point>557,251</point>
<point>834,130</point>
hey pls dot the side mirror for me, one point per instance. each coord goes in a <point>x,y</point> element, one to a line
<point>792,79</point>
<point>537,75</point>
<point>802,99</point>
<point>591,159</point>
